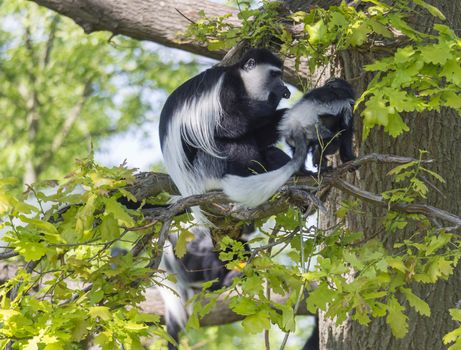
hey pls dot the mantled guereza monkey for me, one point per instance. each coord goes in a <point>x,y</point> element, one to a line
<point>218,131</point>
<point>325,113</point>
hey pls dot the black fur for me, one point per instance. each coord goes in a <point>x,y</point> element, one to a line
<point>200,264</point>
<point>313,343</point>
<point>336,130</point>
<point>248,128</point>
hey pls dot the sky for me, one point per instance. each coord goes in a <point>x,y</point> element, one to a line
<point>138,151</point>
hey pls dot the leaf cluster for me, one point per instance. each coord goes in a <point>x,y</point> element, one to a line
<point>77,289</point>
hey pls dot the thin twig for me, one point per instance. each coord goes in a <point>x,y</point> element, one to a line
<point>412,208</point>
<point>183,15</point>
<point>157,256</point>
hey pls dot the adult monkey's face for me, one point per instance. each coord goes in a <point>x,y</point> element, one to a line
<point>263,82</point>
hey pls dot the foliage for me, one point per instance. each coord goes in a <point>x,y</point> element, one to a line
<point>414,78</point>
<point>63,91</point>
<point>382,278</point>
<point>77,291</point>
<point>83,290</point>
<point>455,335</point>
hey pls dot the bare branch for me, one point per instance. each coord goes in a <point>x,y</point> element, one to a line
<point>412,208</point>
<point>8,253</point>
<point>157,255</point>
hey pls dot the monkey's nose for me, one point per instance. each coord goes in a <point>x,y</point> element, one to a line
<point>286,93</point>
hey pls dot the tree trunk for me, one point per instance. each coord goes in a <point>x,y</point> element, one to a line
<point>437,133</point>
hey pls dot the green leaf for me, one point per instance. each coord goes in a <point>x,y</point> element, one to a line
<point>375,113</point>
<point>181,244</point>
<point>119,211</point>
<point>103,312</point>
<point>398,169</point>
<point>452,71</point>
<point>298,16</point>
<point>288,319</point>
<point>133,326</point>
<point>320,297</point>
<point>8,181</point>
<point>380,28</point>
<point>456,314</point>
<point>95,296</point>
<point>244,306</point>
<point>396,263</point>
<point>103,338</point>
<point>109,228</point>
<point>317,32</point>
<point>253,285</point>
<point>31,251</point>
<point>417,303</point>
<point>434,11</point>
<point>6,203</point>
<point>395,125</point>
<point>382,65</point>
<point>432,53</point>
<point>338,20</point>
<point>396,319</point>
<point>352,259</point>
<point>256,323</point>
<point>57,345</point>
<point>80,331</point>
<point>452,99</point>
<point>452,336</point>
<point>404,55</point>
<point>359,33</point>
<point>215,45</point>
<point>42,226</point>
<point>434,174</point>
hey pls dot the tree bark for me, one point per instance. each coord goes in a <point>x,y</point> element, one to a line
<point>158,21</point>
<point>437,133</point>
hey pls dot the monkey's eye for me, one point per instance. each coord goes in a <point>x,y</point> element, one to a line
<point>275,73</point>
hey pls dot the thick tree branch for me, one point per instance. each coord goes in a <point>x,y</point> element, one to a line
<point>157,21</point>
<point>221,313</point>
<point>300,191</point>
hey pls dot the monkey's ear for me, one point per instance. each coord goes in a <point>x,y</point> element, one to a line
<point>249,65</point>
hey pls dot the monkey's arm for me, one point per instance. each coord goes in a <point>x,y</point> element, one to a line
<point>267,134</point>
<point>254,190</point>
<point>346,152</point>
<point>275,158</point>
<point>236,124</point>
